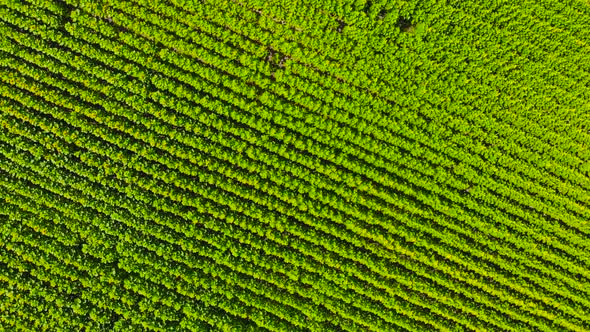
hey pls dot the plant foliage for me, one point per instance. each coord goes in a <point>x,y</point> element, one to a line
<point>310,165</point>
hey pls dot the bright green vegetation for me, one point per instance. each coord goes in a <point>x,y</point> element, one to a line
<point>289,165</point>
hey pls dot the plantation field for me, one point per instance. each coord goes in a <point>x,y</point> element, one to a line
<point>281,165</point>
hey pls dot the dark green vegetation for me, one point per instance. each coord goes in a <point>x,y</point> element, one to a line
<point>294,165</point>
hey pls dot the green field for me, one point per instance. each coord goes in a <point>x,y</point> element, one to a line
<point>282,165</point>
